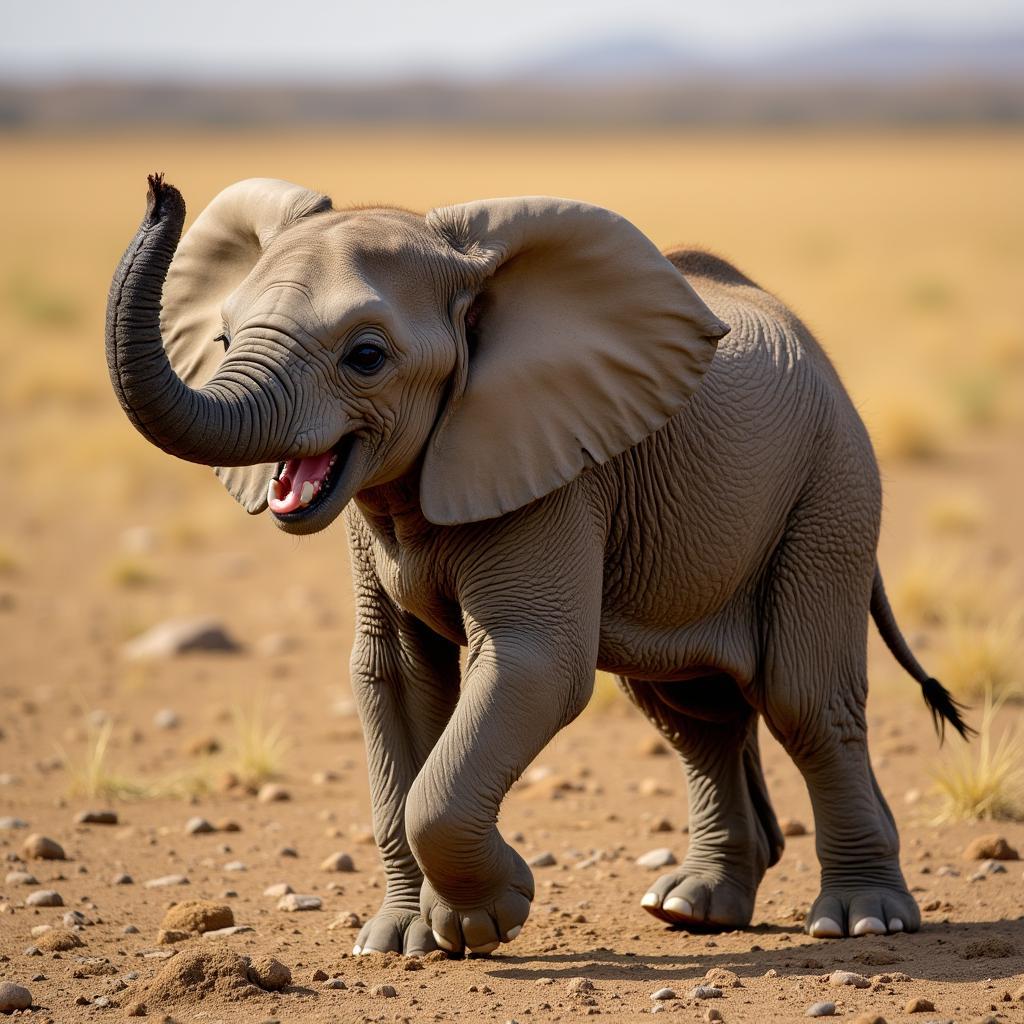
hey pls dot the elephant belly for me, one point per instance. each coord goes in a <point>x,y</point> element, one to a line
<point>723,643</point>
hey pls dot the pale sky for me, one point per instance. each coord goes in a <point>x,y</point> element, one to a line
<point>328,39</point>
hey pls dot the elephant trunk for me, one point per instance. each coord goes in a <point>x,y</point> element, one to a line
<point>233,419</point>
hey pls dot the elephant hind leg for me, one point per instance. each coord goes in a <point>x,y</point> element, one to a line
<point>734,835</point>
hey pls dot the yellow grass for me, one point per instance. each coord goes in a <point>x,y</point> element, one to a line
<point>961,513</point>
<point>259,746</point>
<point>983,779</point>
<point>987,657</point>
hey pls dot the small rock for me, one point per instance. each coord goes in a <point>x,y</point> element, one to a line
<point>704,992</point>
<point>992,867</point>
<point>323,778</point>
<point>12,823</point>
<point>661,825</point>
<point>166,880</point>
<point>543,860</point>
<point>579,985</point>
<point>792,827</point>
<point>14,997</point>
<point>660,994</point>
<point>821,1010</point>
<point>840,978</point>
<point>198,916</point>
<point>170,936</point>
<point>21,878</point>
<point>319,975</point>
<point>76,919</point>
<point>293,902</point>
<point>202,746</point>
<point>198,826</point>
<point>167,718</point>
<point>122,879</point>
<point>129,929</point>
<point>338,862</point>
<point>272,792</point>
<point>277,890</point>
<point>654,859</point>
<point>335,983</point>
<point>236,865</point>
<point>96,818</point>
<point>180,636</point>
<point>223,933</point>
<point>269,974</point>
<point>347,920</point>
<point>227,825</point>
<point>990,847</point>
<point>919,1005</point>
<point>44,898</point>
<point>652,787</point>
<point>711,1014</point>
<point>386,991</point>
<point>38,847</point>
<point>869,1018</point>
<point>652,746</point>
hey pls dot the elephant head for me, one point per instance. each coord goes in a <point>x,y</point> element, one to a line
<point>497,348</point>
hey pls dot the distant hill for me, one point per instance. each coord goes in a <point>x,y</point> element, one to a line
<point>625,81</point>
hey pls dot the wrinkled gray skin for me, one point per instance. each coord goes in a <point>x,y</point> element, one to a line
<point>722,569</point>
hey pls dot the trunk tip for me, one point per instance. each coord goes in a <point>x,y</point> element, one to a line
<point>160,196</point>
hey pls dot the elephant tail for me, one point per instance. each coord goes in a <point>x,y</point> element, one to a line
<point>943,706</point>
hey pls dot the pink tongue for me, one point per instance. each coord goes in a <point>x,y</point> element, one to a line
<point>296,473</point>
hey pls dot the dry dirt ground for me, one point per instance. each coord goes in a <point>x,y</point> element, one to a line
<point>106,539</point>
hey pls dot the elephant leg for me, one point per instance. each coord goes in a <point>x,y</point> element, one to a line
<point>734,835</point>
<point>814,694</point>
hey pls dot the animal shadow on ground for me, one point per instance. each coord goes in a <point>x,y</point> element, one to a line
<point>940,952</point>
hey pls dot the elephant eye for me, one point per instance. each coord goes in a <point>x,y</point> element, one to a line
<point>224,339</point>
<point>366,358</point>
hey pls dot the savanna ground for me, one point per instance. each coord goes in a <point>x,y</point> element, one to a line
<point>904,252</point>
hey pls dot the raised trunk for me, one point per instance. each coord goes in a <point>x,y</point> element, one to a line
<point>224,423</point>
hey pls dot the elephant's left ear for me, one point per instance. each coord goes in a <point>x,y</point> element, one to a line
<point>584,340</point>
<point>216,254</point>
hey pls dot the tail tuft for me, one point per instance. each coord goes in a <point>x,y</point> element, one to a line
<point>944,708</point>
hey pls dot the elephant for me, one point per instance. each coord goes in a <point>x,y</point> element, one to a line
<point>563,450</point>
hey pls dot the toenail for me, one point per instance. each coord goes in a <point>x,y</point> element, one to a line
<point>895,925</point>
<point>826,928</point>
<point>677,905</point>
<point>356,950</point>
<point>489,948</point>
<point>443,942</point>
<point>869,926</point>
<point>651,899</point>
<point>513,932</point>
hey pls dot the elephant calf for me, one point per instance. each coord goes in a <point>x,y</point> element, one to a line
<point>563,450</point>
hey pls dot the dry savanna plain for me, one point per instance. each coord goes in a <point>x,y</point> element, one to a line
<point>242,770</point>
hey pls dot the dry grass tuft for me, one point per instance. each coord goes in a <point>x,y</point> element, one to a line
<point>132,572</point>
<point>979,658</point>
<point>961,514</point>
<point>983,780</point>
<point>909,430</point>
<point>90,776</point>
<point>942,588</point>
<point>260,746</point>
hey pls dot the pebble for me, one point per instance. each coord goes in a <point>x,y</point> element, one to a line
<point>792,827</point>
<point>704,992</point>
<point>122,879</point>
<point>663,857</point>
<point>38,847</point>
<point>21,878</point>
<point>919,1005</point>
<point>652,747</point>
<point>11,823</point>
<point>44,898</point>
<point>198,826</point>
<point>869,1018</point>
<point>278,889</point>
<point>14,997</point>
<point>387,991</point>
<point>338,862</point>
<point>180,636</point>
<point>76,919</point>
<point>129,929</point>
<point>96,818</point>
<point>543,860</point>
<point>661,825</point>
<point>579,985</point>
<point>222,933</point>
<point>663,993</point>
<point>293,902</point>
<point>652,787</point>
<point>236,865</point>
<point>347,920</point>
<point>167,718</point>
<point>336,983</point>
<point>166,880</point>
<point>839,978</point>
<point>712,1014</point>
<point>323,778</point>
<point>990,847</point>
<point>272,792</point>
<point>821,1010</point>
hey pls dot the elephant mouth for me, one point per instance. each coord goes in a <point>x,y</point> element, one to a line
<point>307,494</point>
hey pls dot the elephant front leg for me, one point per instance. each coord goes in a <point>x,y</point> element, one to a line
<point>477,890</point>
<point>406,685</point>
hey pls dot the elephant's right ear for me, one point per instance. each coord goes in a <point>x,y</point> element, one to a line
<point>582,339</point>
<point>216,254</point>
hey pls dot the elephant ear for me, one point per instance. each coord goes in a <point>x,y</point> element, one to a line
<point>214,257</point>
<point>583,340</point>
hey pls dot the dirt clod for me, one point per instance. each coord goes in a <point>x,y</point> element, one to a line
<point>994,947</point>
<point>58,940</point>
<point>919,1005</point>
<point>198,916</point>
<point>96,818</point>
<point>990,847</point>
<point>792,827</point>
<point>338,862</point>
<point>269,973</point>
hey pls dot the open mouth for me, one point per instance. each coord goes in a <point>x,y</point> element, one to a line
<point>302,486</point>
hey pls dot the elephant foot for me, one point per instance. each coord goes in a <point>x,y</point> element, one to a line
<point>862,910</point>
<point>395,930</point>
<point>484,923</point>
<point>692,900</point>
